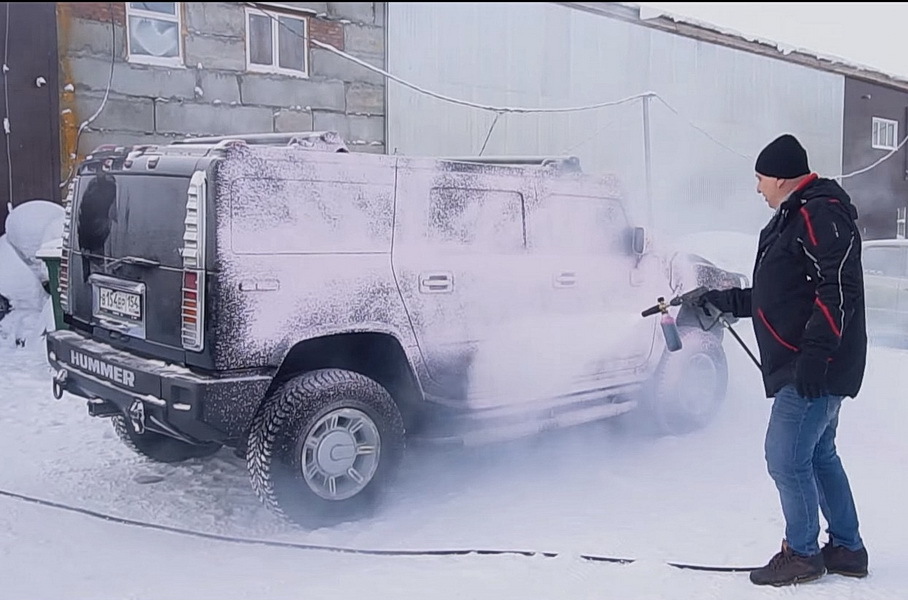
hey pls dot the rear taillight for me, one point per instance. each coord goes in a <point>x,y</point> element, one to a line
<point>191,311</point>
<point>193,253</point>
<point>63,285</point>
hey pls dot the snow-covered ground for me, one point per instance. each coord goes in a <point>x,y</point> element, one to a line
<point>600,490</point>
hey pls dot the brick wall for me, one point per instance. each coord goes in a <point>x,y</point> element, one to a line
<point>211,91</point>
<point>327,32</point>
<point>96,11</point>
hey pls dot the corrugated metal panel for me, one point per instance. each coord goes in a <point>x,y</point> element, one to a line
<point>521,54</point>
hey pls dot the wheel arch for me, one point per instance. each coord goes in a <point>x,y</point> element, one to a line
<point>378,356</point>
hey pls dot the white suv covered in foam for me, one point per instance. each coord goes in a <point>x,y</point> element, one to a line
<point>319,310</point>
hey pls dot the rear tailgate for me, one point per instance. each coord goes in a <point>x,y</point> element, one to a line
<point>126,273</point>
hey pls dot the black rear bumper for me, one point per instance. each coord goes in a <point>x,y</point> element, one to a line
<point>173,400</point>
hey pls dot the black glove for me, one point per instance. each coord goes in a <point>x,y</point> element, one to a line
<point>810,376</point>
<point>717,298</point>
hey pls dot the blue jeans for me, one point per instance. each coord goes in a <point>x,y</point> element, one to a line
<point>802,460</point>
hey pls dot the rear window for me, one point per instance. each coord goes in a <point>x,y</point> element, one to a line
<point>583,225</point>
<point>115,216</point>
<point>291,216</point>
<point>477,220</point>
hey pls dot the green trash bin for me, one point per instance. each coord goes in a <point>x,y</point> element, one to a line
<point>52,253</point>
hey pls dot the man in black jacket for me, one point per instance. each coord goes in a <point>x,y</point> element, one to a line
<point>807,306</point>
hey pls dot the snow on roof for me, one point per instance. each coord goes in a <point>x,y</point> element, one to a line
<point>655,18</point>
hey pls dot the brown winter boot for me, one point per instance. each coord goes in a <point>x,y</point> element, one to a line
<point>786,568</point>
<point>841,560</point>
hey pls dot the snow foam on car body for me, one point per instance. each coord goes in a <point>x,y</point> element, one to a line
<point>304,251</point>
<point>502,283</point>
<point>518,280</point>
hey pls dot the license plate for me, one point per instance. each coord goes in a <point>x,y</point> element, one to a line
<point>120,303</point>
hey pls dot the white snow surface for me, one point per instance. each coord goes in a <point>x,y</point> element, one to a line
<point>31,225</point>
<point>600,489</point>
<point>31,309</point>
<point>17,282</point>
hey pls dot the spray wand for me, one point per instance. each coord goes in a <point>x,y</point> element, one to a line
<point>692,298</point>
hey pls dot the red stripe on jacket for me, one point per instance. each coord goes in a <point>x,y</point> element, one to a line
<point>828,315</point>
<point>773,331</point>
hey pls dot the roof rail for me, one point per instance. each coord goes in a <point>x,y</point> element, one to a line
<point>572,162</point>
<point>329,139</point>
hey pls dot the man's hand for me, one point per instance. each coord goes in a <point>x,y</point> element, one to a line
<point>810,376</point>
<point>718,298</point>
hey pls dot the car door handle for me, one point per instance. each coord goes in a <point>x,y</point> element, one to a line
<point>260,285</point>
<point>565,279</point>
<point>436,283</point>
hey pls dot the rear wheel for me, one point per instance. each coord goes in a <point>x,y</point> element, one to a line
<point>324,447</point>
<point>158,447</point>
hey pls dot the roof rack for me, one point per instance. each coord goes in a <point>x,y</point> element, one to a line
<point>329,139</point>
<point>571,162</point>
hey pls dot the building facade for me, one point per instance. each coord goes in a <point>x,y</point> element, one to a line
<point>81,74</point>
<point>875,128</point>
<point>136,73</point>
<point>686,155</point>
<point>30,157</point>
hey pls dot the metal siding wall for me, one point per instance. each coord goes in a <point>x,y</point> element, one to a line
<point>521,54</point>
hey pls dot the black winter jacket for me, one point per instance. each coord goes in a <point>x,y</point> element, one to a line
<point>807,295</point>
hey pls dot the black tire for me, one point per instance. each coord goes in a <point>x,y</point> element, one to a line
<point>679,379</point>
<point>277,454</point>
<point>158,447</point>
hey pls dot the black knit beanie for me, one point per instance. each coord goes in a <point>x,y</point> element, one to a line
<point>783,158</point>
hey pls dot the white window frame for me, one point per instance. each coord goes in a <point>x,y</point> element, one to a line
<point>877,141</point>
<point>901,220</point>
<point>160,61</point>
<point>275,69</point>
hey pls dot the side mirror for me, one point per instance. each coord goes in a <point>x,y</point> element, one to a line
<point>639,240</point>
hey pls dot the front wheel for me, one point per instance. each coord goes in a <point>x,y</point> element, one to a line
<point>689,386</point>
<point>324,446</point>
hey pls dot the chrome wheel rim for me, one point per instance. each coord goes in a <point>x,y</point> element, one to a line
<point>341,454</point>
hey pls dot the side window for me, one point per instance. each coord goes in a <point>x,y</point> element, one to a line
<point>476,220</point>
<point>153,33</point>
<point>292,216</point>
<point>885,134</point>
<point>277,43</point>
<point>885,261</point>
<point>578,225</point>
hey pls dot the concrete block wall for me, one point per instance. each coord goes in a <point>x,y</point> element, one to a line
<point>212,92</point>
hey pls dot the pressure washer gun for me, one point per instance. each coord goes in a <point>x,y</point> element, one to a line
<point>667,321</point>
<point>702,309</point>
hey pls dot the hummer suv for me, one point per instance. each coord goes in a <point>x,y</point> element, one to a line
<point>319,311</point>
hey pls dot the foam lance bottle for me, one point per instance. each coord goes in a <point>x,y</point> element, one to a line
<point>669,329</point>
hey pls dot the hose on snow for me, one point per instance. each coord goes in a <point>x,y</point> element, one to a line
<point>344,550</point>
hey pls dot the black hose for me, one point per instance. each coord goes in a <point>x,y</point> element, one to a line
<point>743,344</point>
<point>338,549</point>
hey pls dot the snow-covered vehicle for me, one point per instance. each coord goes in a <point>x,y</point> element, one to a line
<point>885,264</point>
<point>319,310</point>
